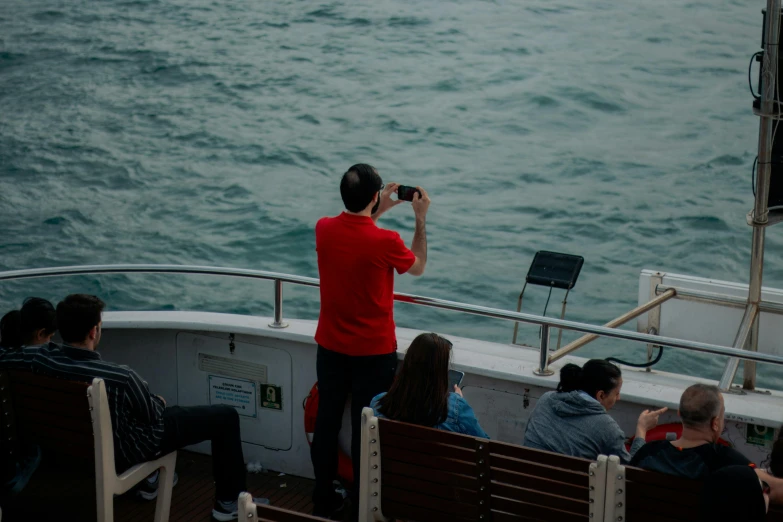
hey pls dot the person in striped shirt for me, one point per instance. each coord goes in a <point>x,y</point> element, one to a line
<point>144,428</point>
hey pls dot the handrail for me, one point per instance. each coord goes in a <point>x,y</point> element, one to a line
<point>431,302</point>
<point>32,273</point>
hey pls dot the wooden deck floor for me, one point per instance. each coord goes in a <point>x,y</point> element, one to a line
<point>57,488</point>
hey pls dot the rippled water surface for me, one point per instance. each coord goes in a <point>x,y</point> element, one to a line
<point>205,132</point>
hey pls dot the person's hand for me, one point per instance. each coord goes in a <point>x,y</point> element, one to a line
<point>647,421</point>
<point>458,391</point>
<point>420,203</point>
<point>775,487</point>
<point>386,201</point>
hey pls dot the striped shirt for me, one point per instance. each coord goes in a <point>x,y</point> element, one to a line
<point>136,414</point>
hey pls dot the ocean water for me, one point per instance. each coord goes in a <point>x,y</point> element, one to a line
<point>215,133</point>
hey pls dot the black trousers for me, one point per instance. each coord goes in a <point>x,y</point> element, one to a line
<point>363,377</point>
<point>183,426</point>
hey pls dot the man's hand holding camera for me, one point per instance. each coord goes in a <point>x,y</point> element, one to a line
<point>386,200</point>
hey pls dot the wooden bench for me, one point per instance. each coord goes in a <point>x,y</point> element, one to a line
<point>73,418</point>
<point>248,510</point>
<point>638,495</point>
<point>415,473</point>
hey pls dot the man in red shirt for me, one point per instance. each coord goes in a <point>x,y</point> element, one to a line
<point>357,345</point>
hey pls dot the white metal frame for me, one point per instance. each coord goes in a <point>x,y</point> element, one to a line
<point>370,474</point>
<point>107,482</point>
<point>597,488</point>
<point>615,491</point>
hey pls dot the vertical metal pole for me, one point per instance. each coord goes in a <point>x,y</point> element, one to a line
<point>278,323</point>
<point>562,316</point>
<point>543,362</point>
<point>760,213</point>
<point>749,367</point>
<point>653,316</point>
<point>740,343</point>
<point>519,309</point>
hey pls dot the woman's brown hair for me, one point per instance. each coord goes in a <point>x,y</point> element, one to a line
<point>420,392</point>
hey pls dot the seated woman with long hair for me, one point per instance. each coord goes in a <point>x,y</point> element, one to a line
<point>574,420</point>
<point>420,393</point>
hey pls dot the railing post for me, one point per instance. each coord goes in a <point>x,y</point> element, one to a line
<point>543,362</point>
<point>278,323</point>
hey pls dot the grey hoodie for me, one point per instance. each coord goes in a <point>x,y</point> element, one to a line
<point>572,424</point>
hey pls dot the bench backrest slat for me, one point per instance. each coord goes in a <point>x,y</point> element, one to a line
<point>537,482</point>
<point>544,458</point>
<point>53,413</point>
<point>275,514</point>
<point>533,511</point>
<point>392,469</point>
<point>413,432</point>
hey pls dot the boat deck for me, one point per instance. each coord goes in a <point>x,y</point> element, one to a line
<point>69,490</point>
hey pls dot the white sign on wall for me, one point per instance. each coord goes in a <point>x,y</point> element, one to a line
<point>239,393</point>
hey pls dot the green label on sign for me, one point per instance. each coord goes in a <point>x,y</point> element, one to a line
<point>270,396</point>
<point>760,435</point>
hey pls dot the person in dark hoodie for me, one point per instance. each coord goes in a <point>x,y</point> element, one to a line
<point>735,493</point>
<point>574,421</point>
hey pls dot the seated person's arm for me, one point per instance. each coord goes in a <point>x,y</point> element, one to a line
<point>616,443</point>
<point>466,419</point>
<point>775,486</point>
<point>148,407</point>
<point>647,421</point>
<point>616,446</point>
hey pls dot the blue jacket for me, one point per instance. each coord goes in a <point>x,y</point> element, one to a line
<point>460,417</point>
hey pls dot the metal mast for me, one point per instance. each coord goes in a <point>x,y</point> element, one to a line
<point>748,334</point>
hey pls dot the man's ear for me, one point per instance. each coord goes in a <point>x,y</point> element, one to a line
<point>600,395</point>
<point>93,332</point>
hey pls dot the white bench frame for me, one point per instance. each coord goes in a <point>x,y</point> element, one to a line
<point>615,491</point>
<point>107,482</point>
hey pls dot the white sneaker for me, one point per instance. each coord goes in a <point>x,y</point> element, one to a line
<point>227,511</point>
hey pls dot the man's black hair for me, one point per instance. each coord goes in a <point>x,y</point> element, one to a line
<point>358,186</point>
<point>77,314</point>
<point>37,314</point>
<point>11,330</point>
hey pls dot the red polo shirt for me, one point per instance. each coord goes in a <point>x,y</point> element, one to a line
<point>356,262</point>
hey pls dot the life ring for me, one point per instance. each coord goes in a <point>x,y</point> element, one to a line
<point>310,404</point>
<point>661,433</point>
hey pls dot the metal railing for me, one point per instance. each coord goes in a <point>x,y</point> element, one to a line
<point>279,278</point>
